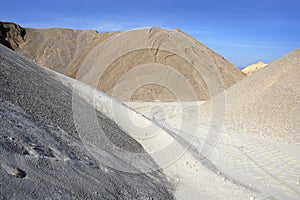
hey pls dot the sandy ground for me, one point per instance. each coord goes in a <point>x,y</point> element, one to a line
<point>258,145</point>
<point>247,165</point>
<point>193,176</point>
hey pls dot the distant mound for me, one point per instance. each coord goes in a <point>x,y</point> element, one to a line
<point>252,68</point>
<point>267,102</point>
<point>66,51</point>
<point>41,153</point>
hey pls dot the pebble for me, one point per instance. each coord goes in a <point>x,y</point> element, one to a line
<point>18,173</point>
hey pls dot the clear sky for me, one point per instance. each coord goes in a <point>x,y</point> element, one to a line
<point>243,31</point>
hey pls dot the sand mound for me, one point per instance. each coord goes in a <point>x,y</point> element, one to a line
<point>150,64</point>
<point>252,68</point>
<point>65,51</point>
<point>41,153</point>
<point>267,102</point>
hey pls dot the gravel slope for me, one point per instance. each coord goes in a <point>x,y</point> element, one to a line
<point>41,154</point>
<point>265,103</point>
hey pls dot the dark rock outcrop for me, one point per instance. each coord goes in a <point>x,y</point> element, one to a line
<point>11,35</point>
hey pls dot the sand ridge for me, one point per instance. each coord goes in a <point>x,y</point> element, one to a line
<point>267,102</point>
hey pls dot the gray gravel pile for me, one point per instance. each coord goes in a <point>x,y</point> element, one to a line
<point>41,154</point>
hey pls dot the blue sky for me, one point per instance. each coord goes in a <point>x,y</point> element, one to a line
<point>243,31</point>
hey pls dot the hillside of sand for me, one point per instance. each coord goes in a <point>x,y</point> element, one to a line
<point>169,54</point>
<point>265,103</point>
<point>157,64</point>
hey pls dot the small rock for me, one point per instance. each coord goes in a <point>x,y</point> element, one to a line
<point>18,173</point>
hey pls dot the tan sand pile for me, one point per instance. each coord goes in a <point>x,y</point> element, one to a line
<point>151,64</point>
<point>252,68</point>
<point>65,50</point>
<point>267,102</point>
